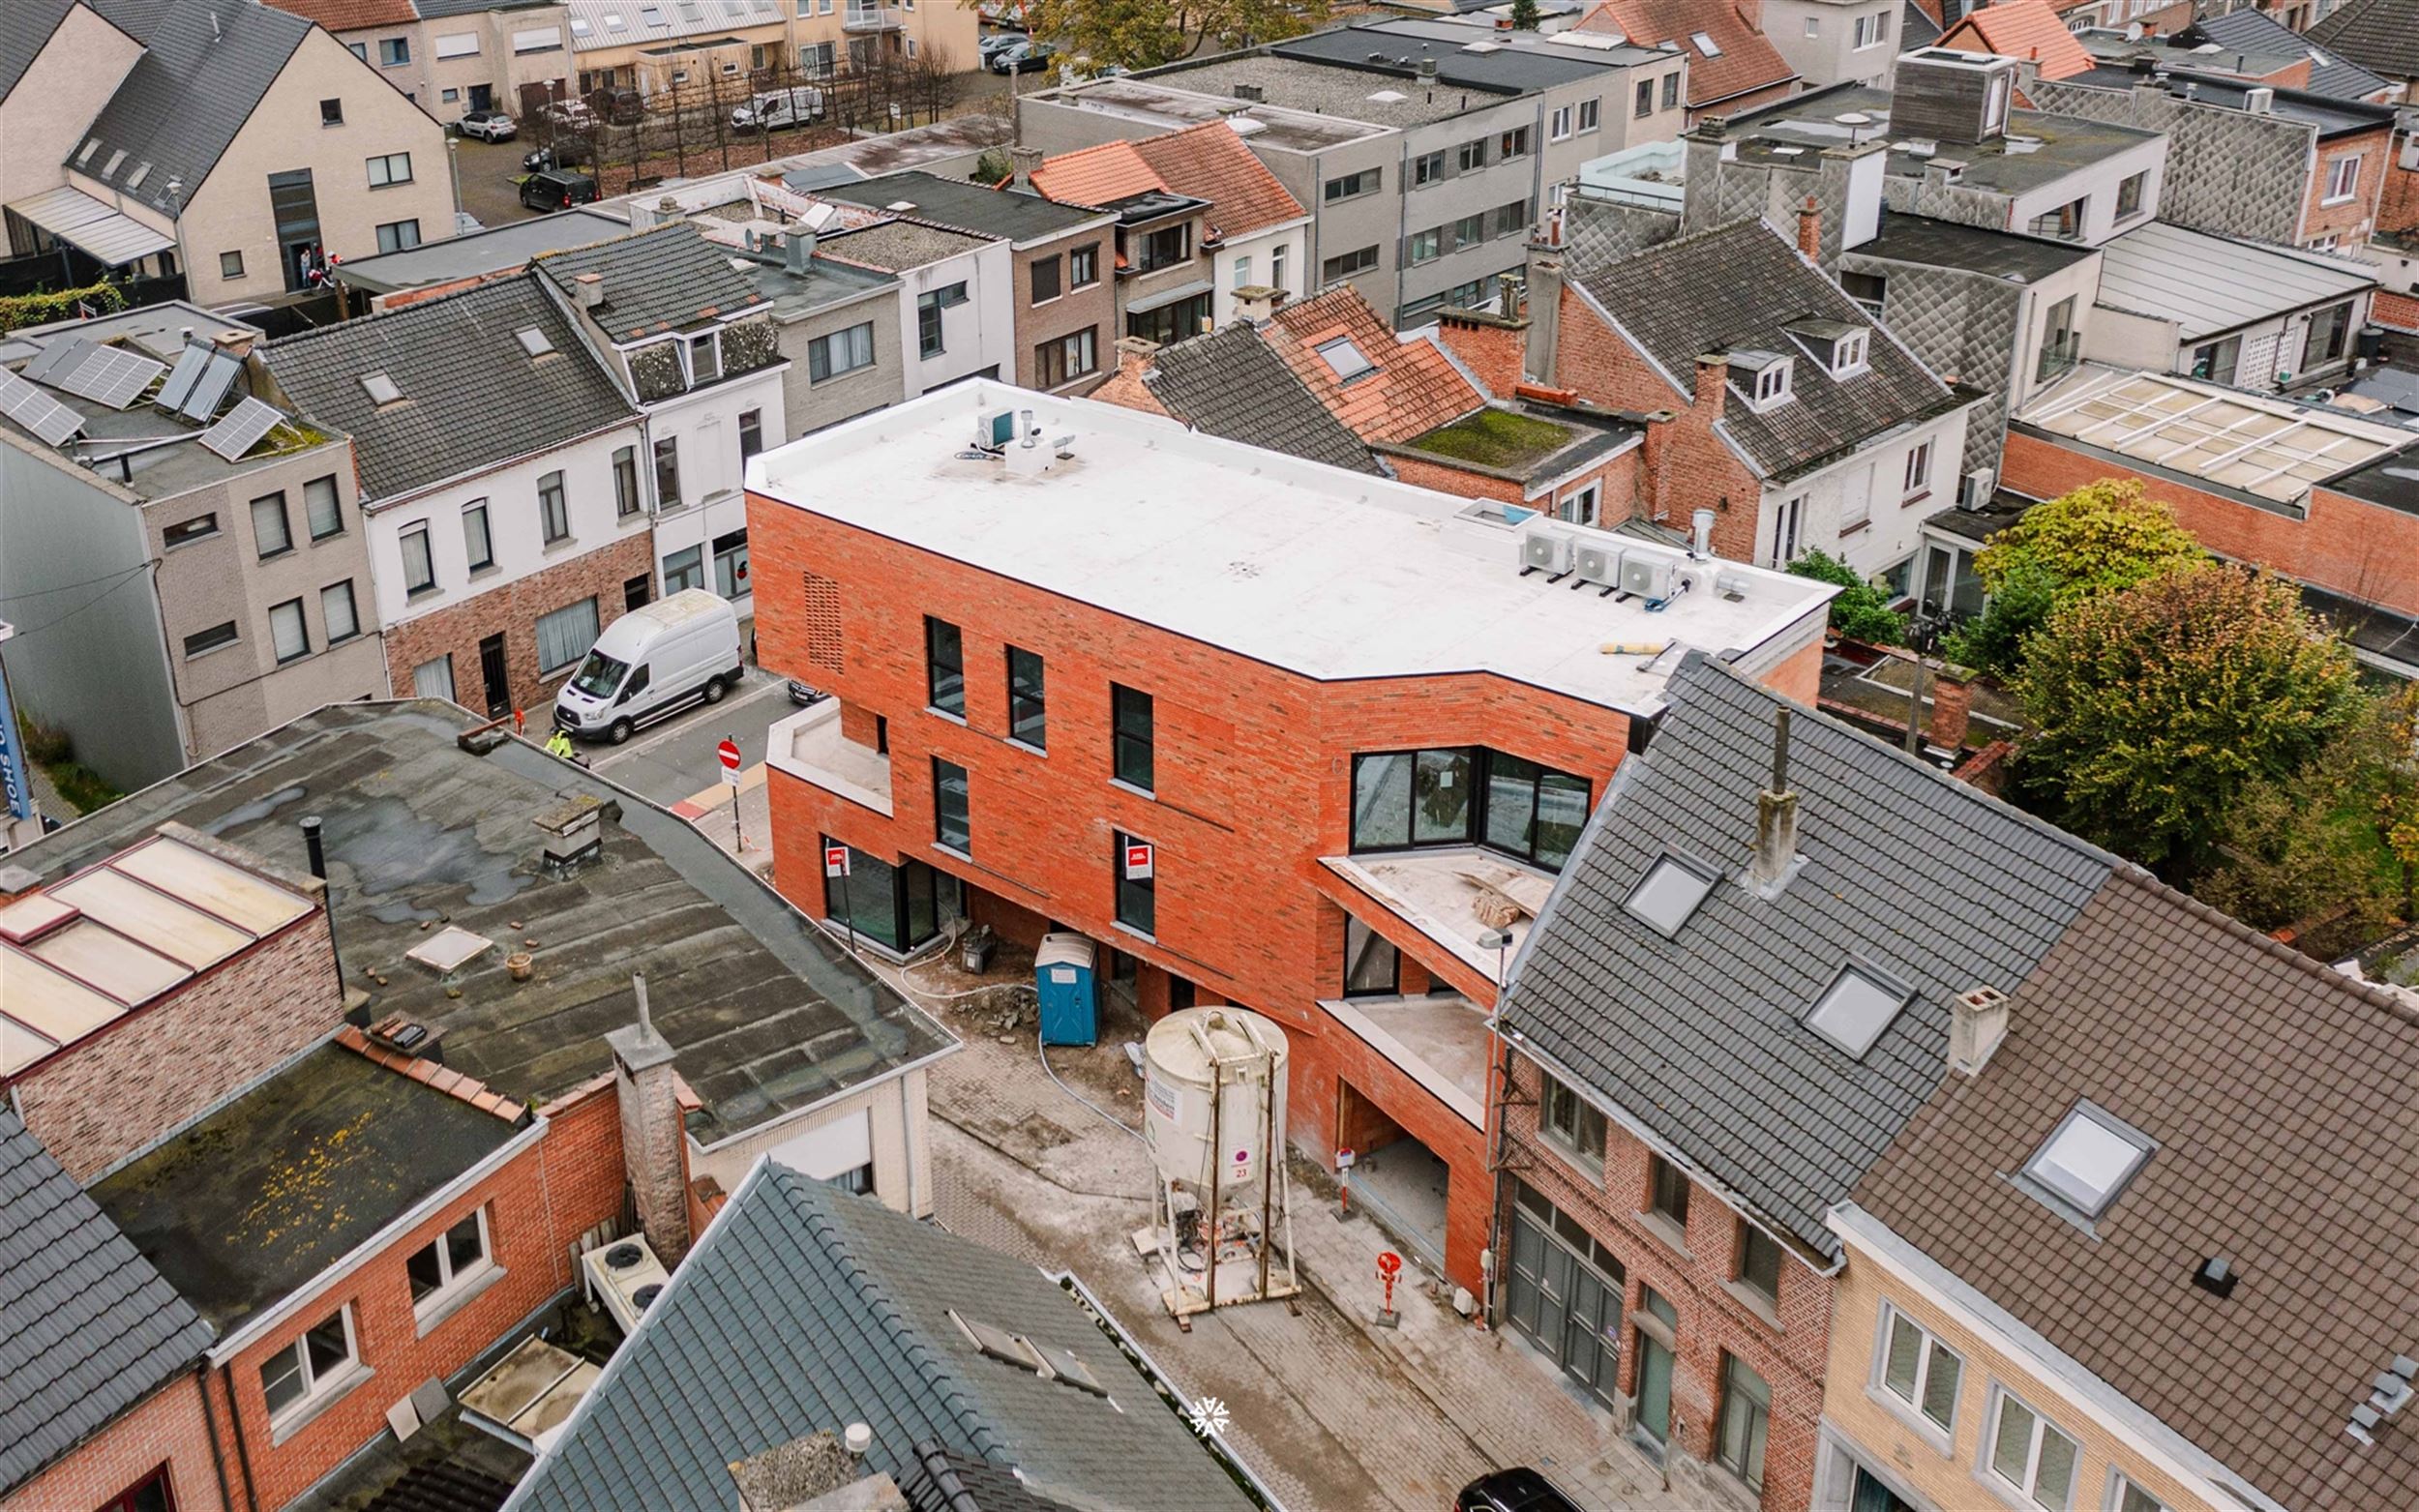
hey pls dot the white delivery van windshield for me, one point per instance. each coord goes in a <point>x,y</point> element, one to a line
<point>599,675</point>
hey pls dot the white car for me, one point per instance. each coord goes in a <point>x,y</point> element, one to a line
<point>776,108</point>
<point>492,126</point>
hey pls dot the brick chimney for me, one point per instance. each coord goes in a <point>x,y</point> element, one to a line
<point>1713,385</point>
<point>1810,230</point>
<point>588,289</point>
<point>1978,1020</point>
<point>1026,159</point>
<point>1952,706</point>
<point>1134,355</point>
<point>1257,302</point>
<point>654,1142</point>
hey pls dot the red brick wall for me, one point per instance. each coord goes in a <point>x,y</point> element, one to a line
<point>2398,200</point>
<point>514,609</point>
<point>1694,468</point>
<point>168,1427</point>
<point>2346,545</point>
<point>1492,350</point>
<point>537,1205</point>
<point>1617,481</point>
<point>149,1072</point>
<point>2350,219</point>
<point>1714,1317</point>
<point>2399,311</point>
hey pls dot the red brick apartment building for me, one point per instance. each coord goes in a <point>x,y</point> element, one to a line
<point>1333,706</point>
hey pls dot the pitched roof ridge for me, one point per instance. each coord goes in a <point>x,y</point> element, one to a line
<point>457,1084</point>
<point>364,322</point>
<point>2373,993</point>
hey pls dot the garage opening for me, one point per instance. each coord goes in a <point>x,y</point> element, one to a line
<point>1399,1181</point>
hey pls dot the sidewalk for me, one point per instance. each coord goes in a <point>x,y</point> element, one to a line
<point>1332,1412</point>
<point>710,812</point>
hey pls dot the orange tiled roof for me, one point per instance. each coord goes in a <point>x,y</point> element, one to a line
<point>345,16</point>
<point>453,1083</point>
<point>1747,60</point>
<point>1210,162</point>
<point>2021,29</point>
<point>1413,390</point>
<point>1096,175</point>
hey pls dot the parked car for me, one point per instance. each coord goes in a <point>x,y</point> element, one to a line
<point>621,106</point>
<point>1523,1490</point>
<point>556,188</point>
<point>492,126</point>
<point>571,115</point>
<point>650,664</point>
<point>1024,58</point>
<point>995,44</point>
<point>805,695</point>
<point>776,108</point>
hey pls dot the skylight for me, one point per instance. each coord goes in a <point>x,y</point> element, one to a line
<point>380,388</point>
<point>2088,1158</point>
<point>142,172</point>
<point>1345,359</point>
<point>534,341</point>
<point>1705,44</point>
<point>1856,1008</point>
<point>91,146</point>
<point>1669,893</point>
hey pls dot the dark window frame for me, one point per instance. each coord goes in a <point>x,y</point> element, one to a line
<point>1138,736</point>
<point>945,695</point>
<point>1376,941</point>
<point>1029,699</point>
<point>1755,1253</point>
<point>1481,763</point>
<point>960,838</point>
<point>1055,281</point>
<point>1139,893</point>
<point>1667,1189</point>
<point>215,641</point>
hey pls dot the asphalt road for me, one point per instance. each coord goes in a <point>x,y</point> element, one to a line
<point>675,759</point>
<point>491,180</point>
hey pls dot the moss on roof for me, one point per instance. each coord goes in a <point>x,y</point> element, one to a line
<point>1496,439</point>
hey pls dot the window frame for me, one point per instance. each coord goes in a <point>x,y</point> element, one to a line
<point>953,707</point>
<point>596,618</point>
<point>317,1387</point>
<point>1910,1409</point>
<point>427,576</point>
<point>1574,1127</point>
<point>2025,1492</point>
<point>335,497</point>
<point>2337,167</point>
<point>231,265</point>
<point>1058,285</point>
<point>352,607</point>
<point>1751,1455</point>
<point>234,637</point>
<point>431,1306</point>
<point>398,241</point>
<point>857,336</point>
<point>1667,1191</point>
<point>189,531</point>
<point>1028,699</point>
<point>1481,763</point>
<point>1558,128</point>
<point>1350,186</point>
<point>1121,705</point>
<point>1143,888</point>
<point>667,457</point>
<point>1393,987</point>
<point>2070,1204</point>
<point>1348,265</point>
<point>302,624</point>
<point>1591,115</point>
<point>1644,104</point>
<point>485,557</point>
<point>261,549</point>
<point>384,163</point>
<point>1918,477</point>
<point>751,434</point>
<point>553,509</point>
<point>1083,266</point>
<point>1427,168</point>
<point>626,499</point>
<point>961,841</point>
<point>1753,1242</point>
<point>394,52</point>
<point>2119,1483</point>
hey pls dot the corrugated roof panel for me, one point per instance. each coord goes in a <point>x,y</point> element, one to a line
<point>231,893</point>
<point>161,923</point>
<point>57,1007</point>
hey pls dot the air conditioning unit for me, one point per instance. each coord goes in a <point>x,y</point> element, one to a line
<point>625,1276</point>
<point>995,429</point>
<point>1975,489</point>
<point>1598,564</point>
<point>1547,551</point>
<point>1647,575</point>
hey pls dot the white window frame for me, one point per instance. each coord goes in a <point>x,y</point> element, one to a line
<point>2345,172</point>
<point>384,163</point>
<point>1871,31</point>
<point>426,1311</point>
<point>1911,1411</point>
<point>2119,1483</point>
<point>316,1388</point>
<point>2023,1494</point>
<point>1557,125</point>
<point>1771,385</point>
<point>1918,476</point>
<point>1848,355</point>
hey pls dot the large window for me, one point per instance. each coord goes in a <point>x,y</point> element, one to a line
<point>392,169</point>
<point>434,678</point>
<point>1028,704</point>
<point>899,906</point>
<point>2327,331</point>
<point>1668,1191</point>
<point>1568,1121</point>
<point>1046,280</point>
<point>2342,178</point>
<point>1372,967</point>
<point>1134,736</point>
<point>269,529</point>
<point>566,635</point>
<point>320,508</point>
<point>945,666</point>
<point>626,482</point>
<point>1746,1417</point>
<point>439,1269</point>
<point>928,308</point>
<point>339,611</point>
<point>1919,1369</point>
<point>1759,1261</point>
<point>1171,322</point>
<point>1349,264</point>
<point>398,236</point>
<point>318,1362</point>
<point>2029,1455</point>
<point>684,570</point>
<point>554,508</point>
<point>1460,796</point>
<point>1166,247</point>
<point>477,543</point>
<point>668,472</point>
<point>1350,186</point>
<point>841,352</point>
<point>731,564</point>
<point>751,434</point>
<point>419,568</point>
<point>1138,898</point>
<point>1066,358</point>
<point>953,823</point>
<point>288,631</point>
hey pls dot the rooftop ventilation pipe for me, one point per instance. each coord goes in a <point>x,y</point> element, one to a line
<point>1701,535</point>
<point>798,246</point>
<point>315,849</point>
<point>1776,857</point>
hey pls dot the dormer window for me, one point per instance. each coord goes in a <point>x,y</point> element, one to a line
<point>1763,378</point>
<point>1839,345</point>
<point>1848,355</point>
<point>1772,385</point>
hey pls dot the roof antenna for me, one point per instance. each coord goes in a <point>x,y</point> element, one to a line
<point>1776,857</point>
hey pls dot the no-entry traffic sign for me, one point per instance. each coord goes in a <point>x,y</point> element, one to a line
<point>729,752</point>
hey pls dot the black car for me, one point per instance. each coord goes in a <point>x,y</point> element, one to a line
<point>1523,1490</point>
<point>556,188</point>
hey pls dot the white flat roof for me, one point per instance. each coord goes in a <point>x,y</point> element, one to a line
<point>1328,574</point>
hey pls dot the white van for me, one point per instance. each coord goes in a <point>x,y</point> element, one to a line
<point>650,663</point>
<point>775,108</point>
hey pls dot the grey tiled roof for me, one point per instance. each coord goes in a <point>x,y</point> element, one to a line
<point>1905,871</point>
<point>87,1327</point>
<point>806,1309</point>
<point>966,206</point>
<point>472,397</point>
<point>1734,288</point>
<point>1229,384</point>
<point>671,278</point>
<point>2382,35</point>
<point>193,89</point>
<point>2256,31</point>
<point>25,29</point>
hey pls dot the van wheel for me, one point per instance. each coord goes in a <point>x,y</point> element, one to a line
<point>619,733</point>
<point>714,690</point>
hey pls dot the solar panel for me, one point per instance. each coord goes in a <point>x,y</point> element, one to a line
<point>180,384</point>
<point>57,360</point>
<point>29,406</point>
<point>242,428</point>
<point>211,388</point>
<point>110,376</point>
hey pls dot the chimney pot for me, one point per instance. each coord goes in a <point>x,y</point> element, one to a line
<point>857,1439</point>
<point>1776,858</point>
<point>1257,302</point>
<point>312,844</point>
<point>1978,1020</point>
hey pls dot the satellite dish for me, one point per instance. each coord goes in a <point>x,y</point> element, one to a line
<point>1855,121</point>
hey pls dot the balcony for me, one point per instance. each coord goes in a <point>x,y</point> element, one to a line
<point>873,19</point>
<point>807,746</point>
<point>2059,354</point>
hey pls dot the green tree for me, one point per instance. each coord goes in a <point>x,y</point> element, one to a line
<point>1861,611</point>
<point>2101,537</point>
<point>2304,850</point>
<point>1141,34</point>
<point>1524,15</point>
<point>2151,710</point>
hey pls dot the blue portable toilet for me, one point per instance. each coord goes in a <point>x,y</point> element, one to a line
<point>1064,978</point>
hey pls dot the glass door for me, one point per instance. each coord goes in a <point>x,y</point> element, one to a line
<point>1655,1364</point>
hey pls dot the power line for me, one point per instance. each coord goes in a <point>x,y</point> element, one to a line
<point>37,593</point>
<point>26,635</point>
